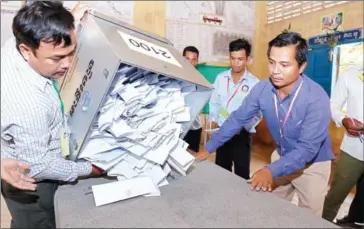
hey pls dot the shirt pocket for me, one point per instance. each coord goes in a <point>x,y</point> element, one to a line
<point>294,125</point>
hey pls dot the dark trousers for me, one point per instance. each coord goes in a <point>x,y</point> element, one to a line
<point>349,171</point>
<point>193,138</point>
<point>237,151</point>
<point>31,209</point>
<point>356,211</point>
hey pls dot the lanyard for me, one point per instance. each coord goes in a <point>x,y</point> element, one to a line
<point>55,85</point>
<point>287,115</point>
<point>227,90</point>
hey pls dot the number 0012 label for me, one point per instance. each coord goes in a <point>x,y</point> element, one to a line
<point>149,49</point>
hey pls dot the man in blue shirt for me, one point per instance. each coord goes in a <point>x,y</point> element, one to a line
<point>230,89</point>
<point>297,111</point>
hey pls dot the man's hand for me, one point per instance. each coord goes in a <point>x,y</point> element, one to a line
<point>11,172</point>
<point>78,12</point>
<point>213,125</point>
<point>96,171</point>
<point>202,155</point>
<point>262,180</point>
<point>353,126</point>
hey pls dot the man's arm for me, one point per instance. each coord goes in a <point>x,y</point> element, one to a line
<point>314,131</point>
<point>214,104</point>
<point>31,135</point>
<point>250,127</point>
<point>338,99</point>
<point>237,120</point>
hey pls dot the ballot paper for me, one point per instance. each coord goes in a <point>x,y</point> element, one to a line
<point>121,190</point>
<point>136,134</point>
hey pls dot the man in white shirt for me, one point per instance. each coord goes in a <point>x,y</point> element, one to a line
<point>350,167</point>
<point>193,136</point>
<point>230,89</point>
<point>32,116</point>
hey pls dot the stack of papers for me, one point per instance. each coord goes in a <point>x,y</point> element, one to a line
<point>136,135</point>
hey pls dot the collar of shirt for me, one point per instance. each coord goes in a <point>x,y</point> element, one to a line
<point>292,92</point>
<point>245,76</point>
<point>26,71</point>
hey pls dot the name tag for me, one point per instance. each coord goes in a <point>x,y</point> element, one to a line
<point>65,146</point>
<point>224,113</point>
<point>361,76</point>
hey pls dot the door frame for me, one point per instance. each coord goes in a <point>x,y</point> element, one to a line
<point>334,61</point>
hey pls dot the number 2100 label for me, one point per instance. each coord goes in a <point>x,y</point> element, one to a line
<point>149,49</point>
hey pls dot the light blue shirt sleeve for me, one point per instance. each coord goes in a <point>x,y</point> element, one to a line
<point>215,101</point>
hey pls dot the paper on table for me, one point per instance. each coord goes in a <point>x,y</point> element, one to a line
<point>108,165</point>
<point>121,190</point>
<point>138,149</point>
<point>158,155</point>
<point>177,167</point>
<point>95,146</point>
<point>166,168</point>
<point>181,156</point>
<point>121,178</point>
<point>182,144</point>
<point>163,183</point>
<point>107,156</point>
<point>119,128</point>
<point>122,168</point>
<point>183,116</point>
<point>137,161</point>
<point>156,173</point>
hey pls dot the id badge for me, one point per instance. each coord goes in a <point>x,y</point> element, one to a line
<point>224,113</point>
<point>65,137</point>
<point>65,146</point>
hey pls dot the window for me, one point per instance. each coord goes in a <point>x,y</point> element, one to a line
<point>282,10</point>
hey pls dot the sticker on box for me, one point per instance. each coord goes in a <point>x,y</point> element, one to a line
<point>149,49</point>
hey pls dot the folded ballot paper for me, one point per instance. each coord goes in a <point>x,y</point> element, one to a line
<point>136,135</point>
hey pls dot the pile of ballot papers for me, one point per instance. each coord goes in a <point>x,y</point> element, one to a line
<point>136,135</point>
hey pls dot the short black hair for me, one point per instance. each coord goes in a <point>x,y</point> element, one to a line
<point>191,49</point>
<point>46,21</point>
<point>240,44</point>
<point>291,38</point>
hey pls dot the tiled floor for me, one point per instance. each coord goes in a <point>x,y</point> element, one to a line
<point>258,161</point>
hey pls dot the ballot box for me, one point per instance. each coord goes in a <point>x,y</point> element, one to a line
<point>129,95</point>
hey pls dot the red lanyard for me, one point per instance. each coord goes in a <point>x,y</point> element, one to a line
<point>227,90</point>
<point>287,115</point>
